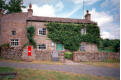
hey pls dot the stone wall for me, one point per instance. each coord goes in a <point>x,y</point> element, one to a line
<point>11,53</point>
<point>61,56</point>
<point>22,54</point>
<point>90,47</point>
<point>43,55</point>
<point>99,56</point>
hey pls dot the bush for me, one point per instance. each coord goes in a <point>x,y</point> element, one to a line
<point>5,45</point>
<point>112,60</point>
<point>68,55</point>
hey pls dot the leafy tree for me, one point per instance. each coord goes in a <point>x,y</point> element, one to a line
<point>116,45</point>
<point>113,45</point>
<point>2,5</point>
<point>15,6</point>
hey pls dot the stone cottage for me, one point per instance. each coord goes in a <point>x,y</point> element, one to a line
<point>13,31</point>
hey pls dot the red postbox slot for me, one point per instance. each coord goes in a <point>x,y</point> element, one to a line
<point>29,50</point>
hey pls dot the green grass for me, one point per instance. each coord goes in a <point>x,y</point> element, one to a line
<point>112,60</point>
<point>29,74</point>
<point>1,58</point>
<point>104,64</point>
<point>6,69</point>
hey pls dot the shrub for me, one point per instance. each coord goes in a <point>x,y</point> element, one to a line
<point>5,45</point>
<point>68,55</point>
<point>112,60</point>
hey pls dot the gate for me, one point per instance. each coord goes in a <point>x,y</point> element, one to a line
<point>55,56</point>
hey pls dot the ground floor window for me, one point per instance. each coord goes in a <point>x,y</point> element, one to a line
<point>82,47</point>
<point>14,42</point>
<point>41,46</point>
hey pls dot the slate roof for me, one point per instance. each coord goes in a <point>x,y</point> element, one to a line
<point>56,19</point>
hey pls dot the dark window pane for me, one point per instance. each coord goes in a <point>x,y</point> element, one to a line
<point>13,32</point>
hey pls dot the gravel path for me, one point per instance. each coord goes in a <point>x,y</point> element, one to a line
<point>80,69</point>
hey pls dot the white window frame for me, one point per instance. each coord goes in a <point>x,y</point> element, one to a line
<point>14,42</point>
<point>41,48</point>
<point>41,30</point>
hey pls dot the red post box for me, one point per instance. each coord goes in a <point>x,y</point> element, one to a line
<point>29,50</point>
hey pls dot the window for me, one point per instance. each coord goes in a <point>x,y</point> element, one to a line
<point>83,31</point>
<point>13,32</point>
<point>14,42</point>
<point>42,31</point>
<point>41,46</point>
<point>82,47</point>
<point>52,44</point>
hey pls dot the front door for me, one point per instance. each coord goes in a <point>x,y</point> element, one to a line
<point>59,47</point>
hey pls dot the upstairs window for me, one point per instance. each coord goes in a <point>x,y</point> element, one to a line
<point>41,46</point>
<point>13,32</point>
<point>82,47</point>
<point>83,31</point>
<point>42,31</point>
<point>14,42</point>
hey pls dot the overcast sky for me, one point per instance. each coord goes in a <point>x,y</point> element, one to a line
<point>105,12</point>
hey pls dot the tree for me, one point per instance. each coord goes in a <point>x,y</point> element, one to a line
<point>2,4</point>
<point>15,6</point>
<point>113,45</point>
<point>116,45</point>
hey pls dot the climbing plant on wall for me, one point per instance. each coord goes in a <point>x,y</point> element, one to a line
<point>30,33</point>
<point>69,34</point>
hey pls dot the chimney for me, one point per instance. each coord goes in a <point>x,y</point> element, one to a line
<point>88,16</point>
<point>30,11</point>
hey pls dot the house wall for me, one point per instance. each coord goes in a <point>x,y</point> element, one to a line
<point>89,47</point>
<point>41,39</point>
<point>17,22</point>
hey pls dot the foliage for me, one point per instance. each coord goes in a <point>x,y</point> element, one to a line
<point>11,6</point>
<point>30,33</point>
<point>68,55</point>
<point>116,45</point>
<point>112,60</point>
<point>2,4</point>
<point>70,36</point>
<point>15,6</point>
<point>5,45</point>
<point>111,45</point>
<point>6,69</point>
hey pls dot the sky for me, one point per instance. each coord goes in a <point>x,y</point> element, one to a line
<point>105,12</point>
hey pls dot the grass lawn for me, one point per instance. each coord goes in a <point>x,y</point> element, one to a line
<point>29,74</point>
<point>104,64</point>
<point>33,62</point>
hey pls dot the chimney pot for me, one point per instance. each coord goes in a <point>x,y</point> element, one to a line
<point>30,11</point>
<point>88,15</point>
